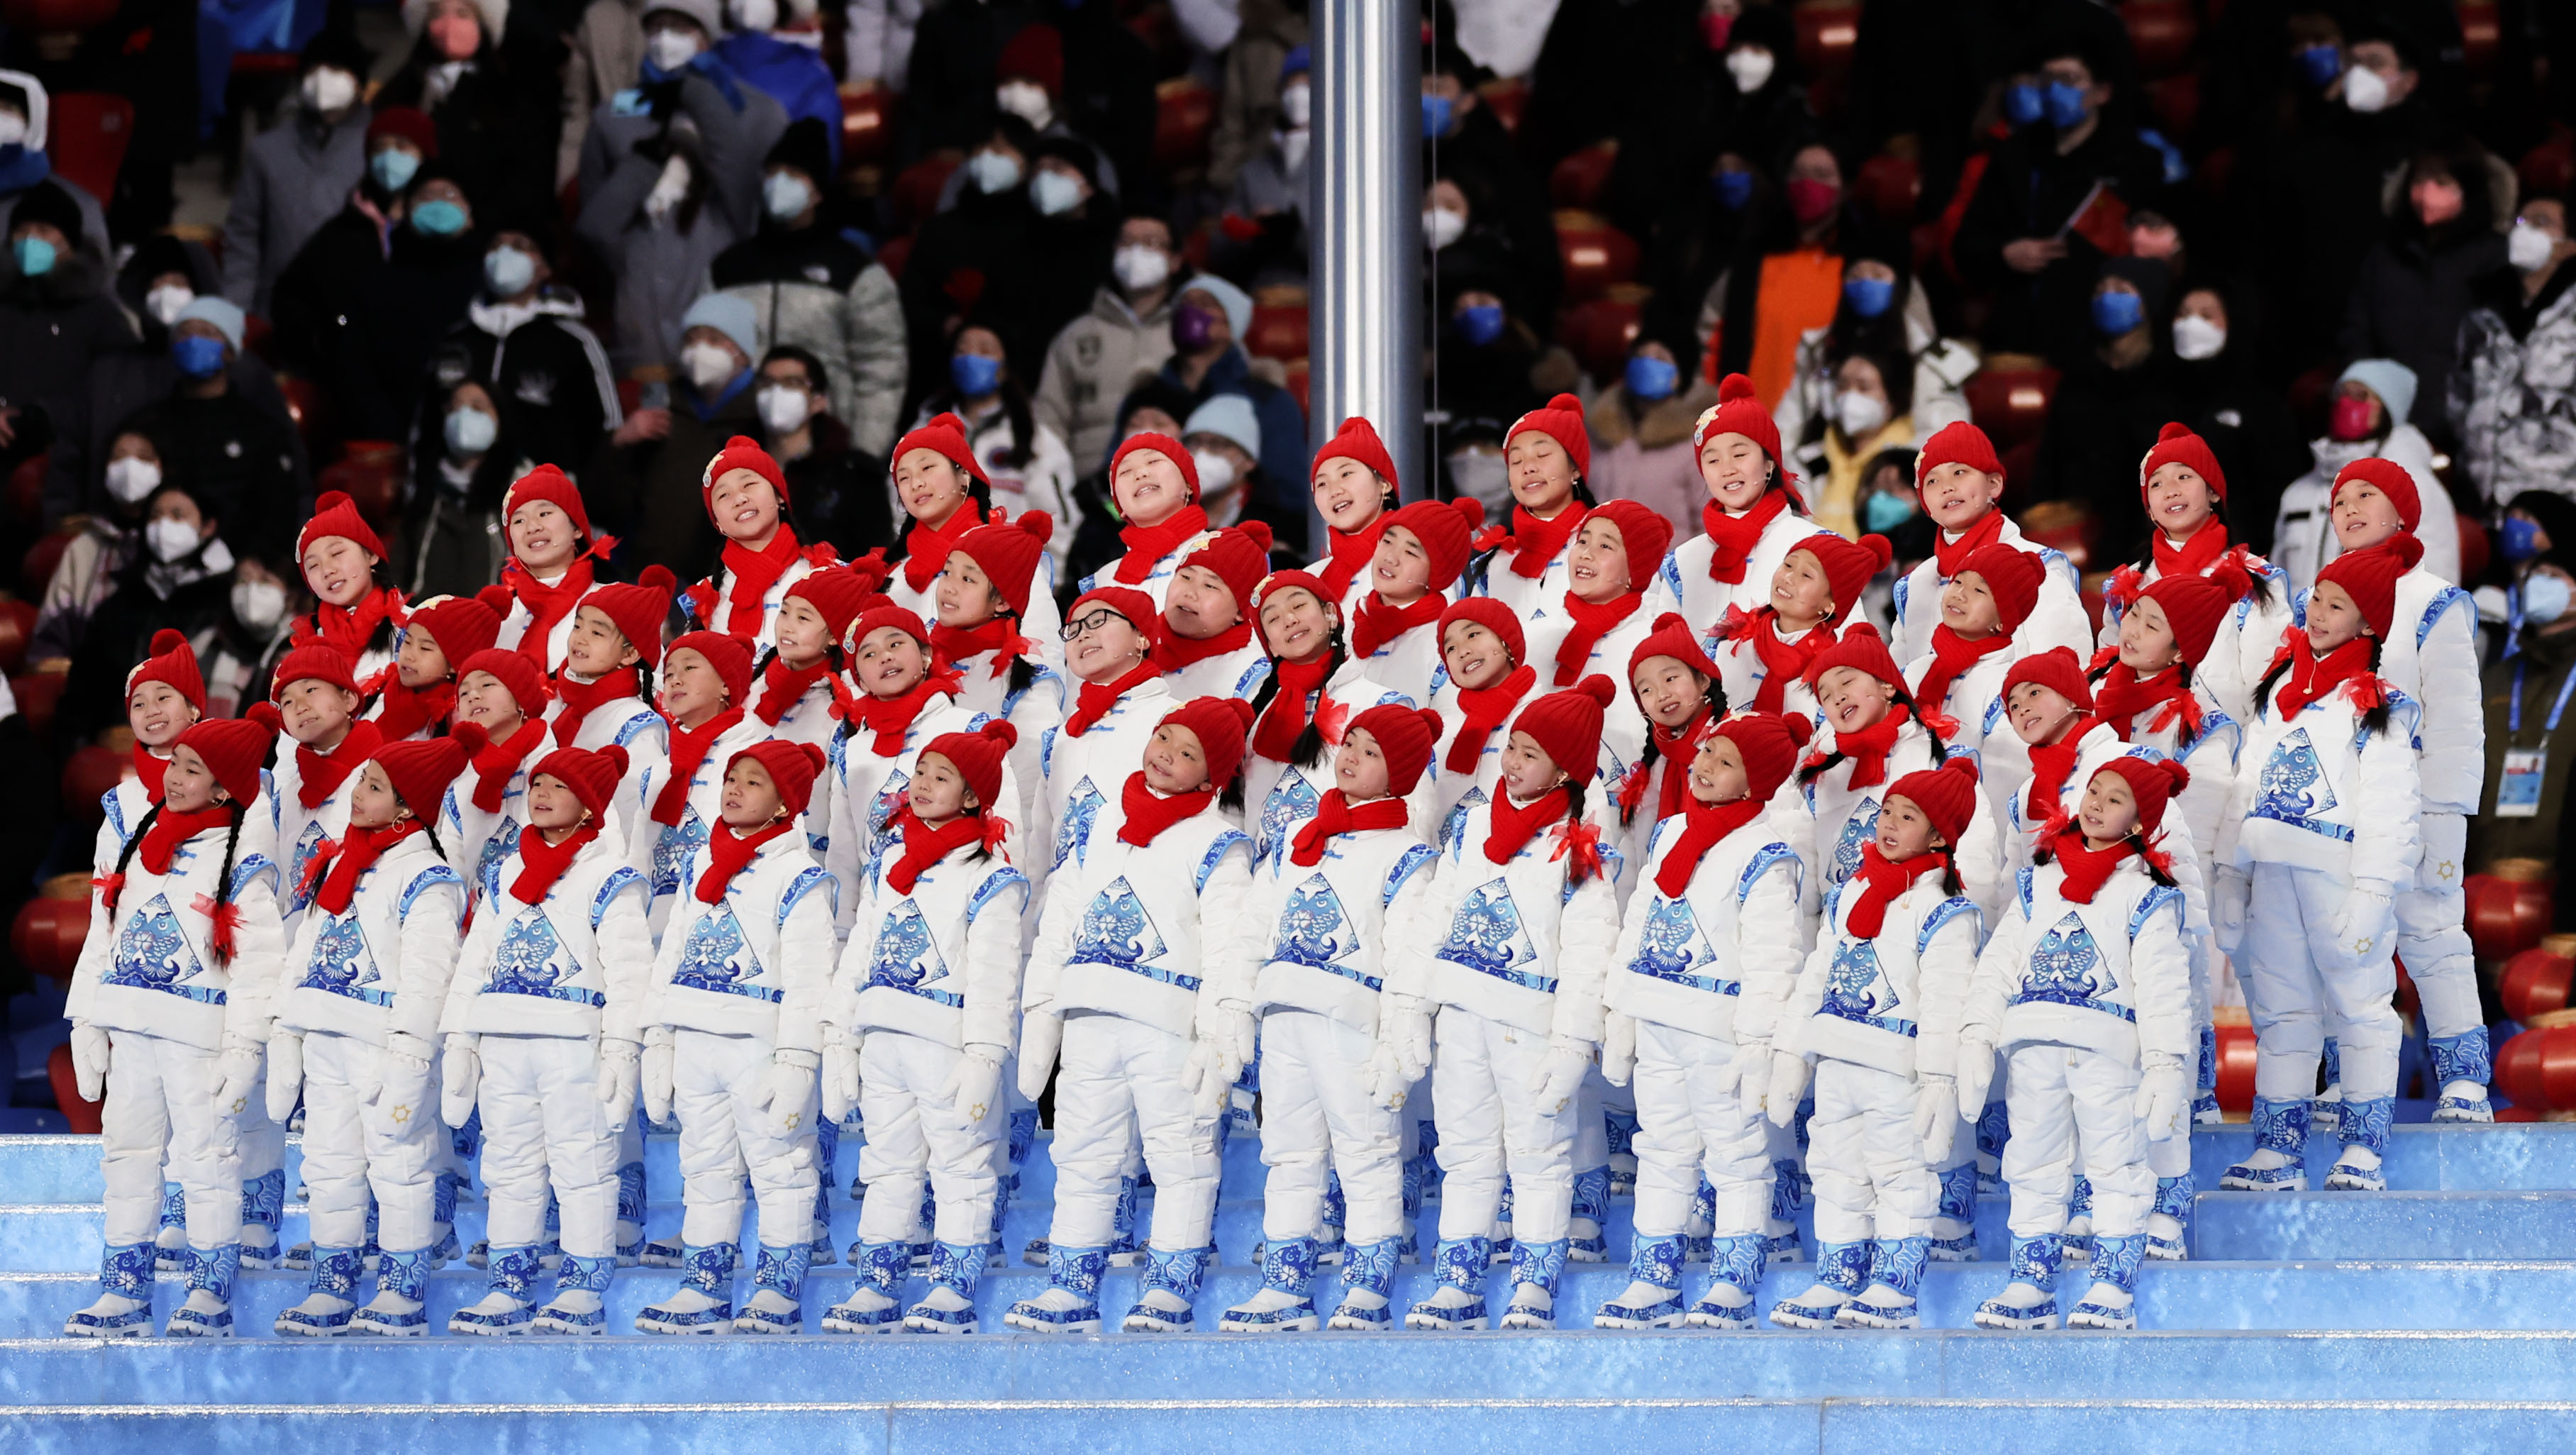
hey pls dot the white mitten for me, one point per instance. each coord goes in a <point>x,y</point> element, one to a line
<point>621,1074</point>
<point>1746,1076</point>
<point>402,1074</point>
<point>90,1057</point>
<point>1976,1079</point>
<point>285,1072</point>
<point>2163,1101</point>
<point>2369,917</point>
<point>1788,1087</point>
<point>840,1074</point>
<point>1217,1055</point>
<point>1560,1074</point>
<point>659,1076</point>
<point>787,1091</point>
<point>1041,1034</point>
<point>1618,1048</point>
<point>460,1073</point>
<point>2227,901</point>
<point>1404,1023</point>
<point>1382,1078</point>
<point>1936,1117</point>
<point>976,1084</point>
<point>236,1076</point>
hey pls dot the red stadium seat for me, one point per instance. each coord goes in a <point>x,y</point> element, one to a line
<point>2510,907</point>
<point>2551,166</point>
<point>88,774</point>
<point>2540,979</point>
<point>57,15</point>
<point>1598,331</point>
<point>2008,398</point>
<point>1507,97</point>
<point>1889,186</point>
<point>17,624</point>
<point>1828,33</point>
<point>37,566</point>
<point>915,193</point>
<point>1594,254</point>
<point>1184,117</point>
<point>1301,384</point>
<point>2161,33</point>
<point>2481,34</point>
<point>1279,324</point>
<point>37,692</point>
<point>86,136</point>
<point>892,255</point>
<point>82,1118</point>
<point>2175,101</point>
<point>27,490</point>
<point>867,124</point>
<point>371,473</point>
<point>2235,1065</point>
<point>1582,176</point>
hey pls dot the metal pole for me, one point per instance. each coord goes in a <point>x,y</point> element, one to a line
<point>1364,227</point>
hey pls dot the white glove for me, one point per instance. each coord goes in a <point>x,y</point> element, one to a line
<point>2227,902</point>
<point>402,1075</point>
<point>1618,1048</point>
<point>1788,1088</point>
<point>1041,1034</point>
<point>1747,1075</point>
<point>2369,917</point>
<point>460,1073</point>
<point>2163,1101</point>
<point>236,1076</point>
<point>1560,1075</point>
<point>621,1074</point>
<point>976,1084</point>
<point>787,1091</point>
<point>1218,1051</point>
<point>840,1074</point>
<point>1936,1117</point>
<point>659,1077</point>
<point>1404,1025</point>
<point>1382,1078</point>
<point>1976,1079</point>
<point>90,1060</point>
<point>285,1072</point>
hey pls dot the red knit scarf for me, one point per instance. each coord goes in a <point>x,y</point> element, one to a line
<point>1276,737</point>
<point>1534,542</point>
<point>1674,750</point>
<point>2193,556</point>
<point>359,849</point>
<point>1783,662</point>
<point>321,774</point>
<point>1880,883</point>
<point>1096,698</point>
<point>2086,869</point>
<point>1149,813</point>
<point>1952,655</point>
<point>926,548</point>
<point>782,686</point>
<point>1516,824</point>
<point>546,605</point>
<point>170,829</point>
<point>924,846</point>
<point>1592,622</point>
<point>1866,749</point>
<point>688,749</point>
<point>402,711</point>
<point>500,760</point>
<point>1149,544</point>
<point>579,698</point>
<point>1377,623</point>
<point>728,851</point>
<point>2312,677</point>
<point>541,863</point>
<point>1735,536</point>
<point>2121,695</point>
<point>1349,557</point>
<point>1334,815</point>
<point>1486,709</point>
<point>2049,765</point>
<point>1953,555</point>
<point>1704,826</point>
<point>753,572</point>
<point>891,718</point>
<point>1172,651</point>
<point>149,769</point>
<point>348,628</point>
<point>955,645</point>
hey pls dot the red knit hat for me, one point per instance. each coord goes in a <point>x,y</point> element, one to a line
<point>1849,566</point>
<point>1861,647</point>
<point>461,625</point>
<point>639,610</point>
<point>1492,615</point>
<point>1562,421</point>
<point>730,656</point>
<point>1957,443</point>
<point>1357,440</point>
<point>1947,795</point>
<point>335,514</point>
<point>1769,743</point>
<point>409,123</point>
<point>1035,53</point>
<point>2393,482</point>
<point>840,593</point>
<point>1220,724</point>
<point>234,750</point>
<point>591,775</point>
<point>1673,637</point>
<point>318,660</point>
<point>1445,528</point>
<point>2195,605</point>
<point>1161,444</point>
<point>1738,411</point>
<point>1278,581</point>
<point>2012,576</point>
<point>1405,736</point>
<point>420,769</point>
<point>888,615</point>
<point>2154,781</point>
<point>553,486</point>
<point>514,671</point>
<point>2056,669</point>
<point>792,766</point>
<point>1008,553</point>
<point>2177,445</point>
<point>1645,533</point>
<point>1127,601</point>
<point>978,758</point>
<point>1240,557</point>
<point>944,434</point>
<point>173,663</point>
<point>2370,576</point>
<point>742,452</point>
<point>1568,725</point>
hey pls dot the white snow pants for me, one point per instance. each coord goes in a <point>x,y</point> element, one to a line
<point>1312,1105</point>
<point>393,1148</point>
<point>917,1133</point>
<point>1118,1082</point>
<point>716,1085</point>
<point>2433,935</point>
<point>1484,1078</point>
<point>1871,1179</point>
<point>2065,1103</point>
<point>543,1125</point>
<point>160,1112</point>
<point>2302,984</point>
<point>1687,1129</point>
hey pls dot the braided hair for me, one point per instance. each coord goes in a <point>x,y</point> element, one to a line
<point>1308,750</point>
<point>1713,694</point>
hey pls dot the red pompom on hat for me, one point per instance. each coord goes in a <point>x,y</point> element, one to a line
<point>1220,724</point>
<point>1357,440</point>
<point>1769,743</point>
<point>173,664</point>
<point>1561,420</point>
<point>461,625</point>
<point>1161,444</point>
<point>234,749</point>
<point>553,486</point>
<point>1492,615</point>
<point>1739,411</point>
<point>2153,782</point>
<point>1567,725</point>
<point>1127,601</point>
<point>978,758</point>
<point>742,452</point>
<point>1446,529</point>
<point>792,766</point>
<point>1849,566</point>
<point>639,610</point>
<point>1405,736</point>
<point>2177,445</point>
<point>335,514</point>
<point>420,769</point>
<point>2012,576</point>
<point>876,618</point>
<point>592,776</point>
<point>1947,795</point>
<point>2195,605</point>
<point>944,435</point>
<point>2392,480</point>
<point>513,671</point>
<point>1240,557</point>
<point>2370,578</point>
<point>839,593</point>
<point>316,660</point>
<point>1957,443</point>
<point>1673,637</point>
<point>1008,553</point>
<point>1861,648</point>
<point>1645,533</point>
<point>2056,669</point>
<point>730,656</point>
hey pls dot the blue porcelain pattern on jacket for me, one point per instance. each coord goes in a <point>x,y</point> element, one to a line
<point>1073,831</point>
<point>1485,936</point>
<point>1116,931</point>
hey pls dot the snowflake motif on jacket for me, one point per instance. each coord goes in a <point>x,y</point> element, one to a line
<point>487,868</point>
<point>1672,946</point>
<point>906,955</point>
<point>671,852</point>
<point>340,960</point>
<point>1312,928</point>
<point>1851,991</point>
<point>307,845</point>
<point>1486,935</point>
<point>1858,830</point>
<point>1291,802</point>
<point>151,954</point>
<point>2062,966</point>
<point>529,962</point>
<point>715,956</point>
<point>1116,930</point>
<point>1073,834</point>
<point>2292,787</point>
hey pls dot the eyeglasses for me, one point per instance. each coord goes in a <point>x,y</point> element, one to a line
<point>1089,622</point>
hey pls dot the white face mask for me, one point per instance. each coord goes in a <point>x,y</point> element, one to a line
<point>783,409</point>
<point>1482,477</point>
<point>1441,227</point>
<point>171,539</point>
<point>2197,338</point>
<point>1216,472</point>
<point>328,88</point>
<point>2364,91</point>
<point>785,196</point>
<point>2528,248</point>
<point>167,302</point>
<point>1859,414</point>
<point>258,605</point>
<point>669,50</point>
<point>1751,66</point>
<point>1054,194</point>
<point>994,171</point>
<point>13,129</point>
<point>1026,100</point>
<point>1293,147</point>
<point>1140,268</point>
<point>131,479</point>
<point>1297,104</point>
<point>470,431</point>
<point>509,271</point>
<point>753,14</point>
<point>708,366</point>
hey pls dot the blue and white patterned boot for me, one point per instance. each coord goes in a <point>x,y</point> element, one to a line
<point>873,1306</point>
<point>124,1307</point>
<point>1699,1223</point>
<point>443,1246</point>
<point>1619,1128</point>
<point>170,1245</point>
<point>2169,1221</point>
<point>580,1304</point>
<point>1585,1238</point>
<point>1954,1225</point>
<point>2462,1069</point>
<point>1285,1302</point>
<point>2077,1246</point>
<point>923,1224</point>
<point>505,1308</point>
<point>949,1306</point>
<point>1780,1234</point>
<point>400,1308</point>
<point>1022,1140</point>
<point>1501,1238</point>
<point>208,1313</point>
<point>2365,1146</point>
<point>2204,1101</point>
<point>550,1248</point>
<point>1895,1278</point>
<point>1071,1303</point>
<point>777,1303</point>
<point>1171,1281</point>
<point>1337,1212</point>
<point>1368,1287</point>
<point>630,1214</point>
<point>1994,1128</point>
<point>1735,1273</point>
<point>263,1209</point>
<point>1124,1251</point>
<point>2279,1160</point>
<point>2112,1303</point>
<point>2325,1114</point>
<point>827,1150</point>
<point>1841,1271</point>
<point>334,1297</point>
<point>1536,1270</point>
<point>1458,1301</point>
<point>703,1303</point>
<point>1654,1296</point>
<point>2030,1300</point>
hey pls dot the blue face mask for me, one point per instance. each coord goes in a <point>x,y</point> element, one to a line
<point>197,356</point>
<point>2117,313</point>
<point>35,256</point>
<point>1653,378</point>
<point>975,375</point>
<point>439,217</point>
<point>1869,297</point>
<point>2066,106</point>
<point>2521,538</point>
<point>2023,105</point>
<point>1885,511</point>
<point>2319,64</point>
<point>393,168</point>
<point>1734,189</point>
<point>1435,115</point>
<point>1481,324</point>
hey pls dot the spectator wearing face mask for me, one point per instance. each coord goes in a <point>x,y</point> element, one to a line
<point>234,453</point>
<point>1224,441</point>
<point>971,247</point>
<point>2512,402</point>
<point>1127,331</point>
<point>1641,431</point>
<point>463,460</point>
<point>2219,390</point>
<point>1487,368</point>
<point>1737,88</point>
<point>839,489</point>
<point>297,174</point>
<point>1029,83</point>
<point>1469,236</point>
<point>433,269</point>
<point>645,488</point>
<point>57,319</point>
<point>2418,283</point>
<point>25,129</point>
<point>106,543</point>
<point>1024,460</point>
<point>1108,98</point>
<point>2527,538</point>
<point>1788,278</point>
<point>523,341</point>
<point>1207,360</point>
<point>489,87</point>
<point>181,577</point>
<point>2366,416</point>
<point>1263,232</point>
<point>2529,752</point>
<point>312,300</point>
<point>1696,230</point>
<point>1071,241</point>
<point>254,634</point>
<point>1465,142</point>
<point>1880,368</point>
<point>605,52</point>
<point>1252,102</point>
<point>792,73</point>
<point>2110,405</point>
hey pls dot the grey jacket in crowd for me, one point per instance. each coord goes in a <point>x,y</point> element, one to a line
<point>295,176</point>
<point>2513,400</point>
<point>855,329</point>
<point>607,54</point>
<point>1092,364</point>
